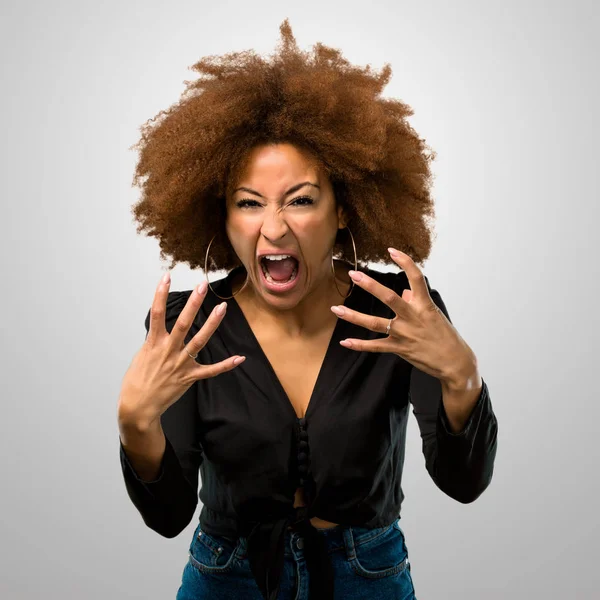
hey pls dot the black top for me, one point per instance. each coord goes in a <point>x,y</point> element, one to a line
<point>241,432</point>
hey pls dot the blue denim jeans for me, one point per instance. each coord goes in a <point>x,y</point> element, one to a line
<point>369,564</point>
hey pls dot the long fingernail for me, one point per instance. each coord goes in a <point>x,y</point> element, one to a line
<point>166,277</point>
<point>202,288</point>
<point>221,308</point>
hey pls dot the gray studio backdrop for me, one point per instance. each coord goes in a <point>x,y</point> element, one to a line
<point>507,95</point>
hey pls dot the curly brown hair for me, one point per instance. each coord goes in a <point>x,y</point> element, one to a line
<point>191,154</point>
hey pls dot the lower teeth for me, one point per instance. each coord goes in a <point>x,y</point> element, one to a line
<point>270,279</point>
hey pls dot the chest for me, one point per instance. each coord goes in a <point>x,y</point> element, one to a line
<point>296,363</point>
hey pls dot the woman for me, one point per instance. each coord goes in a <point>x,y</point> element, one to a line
<point>292,398</point>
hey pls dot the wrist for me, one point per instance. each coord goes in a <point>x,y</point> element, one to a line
<point>137,421</point>
<point>462,375</point>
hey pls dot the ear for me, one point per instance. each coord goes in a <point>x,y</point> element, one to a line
<point>342,217</point>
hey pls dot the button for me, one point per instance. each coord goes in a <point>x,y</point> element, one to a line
<point>302,457</point>
<point>303,435</point>
<point>300,543</point>
<point>302,480</point>
<point>303,445</point>
<point>303,469</point>
<point>302,422</point>
<point>219,550</point>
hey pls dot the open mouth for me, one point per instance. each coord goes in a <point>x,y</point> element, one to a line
<point>279,271</point>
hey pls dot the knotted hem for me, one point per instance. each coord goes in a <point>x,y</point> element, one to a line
<point>266,554</point>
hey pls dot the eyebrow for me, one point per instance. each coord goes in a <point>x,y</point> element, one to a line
<point>293,189</point>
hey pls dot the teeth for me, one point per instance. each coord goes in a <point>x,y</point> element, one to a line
<point>270,279</point>
<point>276,256</point>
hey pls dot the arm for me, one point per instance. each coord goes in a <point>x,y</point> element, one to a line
<point>460,462</point>
<point>160,463</point>
<point>144,447</point>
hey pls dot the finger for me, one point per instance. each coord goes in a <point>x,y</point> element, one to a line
<point>377,324</point>
<point>186,317</point>
<point>388,296</point>
<point>158,309</point>
<point>206,371</point>
<point>207,330</point>
<point>415,276</point>
<point>380,345</point>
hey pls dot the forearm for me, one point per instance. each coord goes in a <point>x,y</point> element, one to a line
<point>466,449</point>
<point>144,446</point>
<point>460,400</point>
<point>461,389</point>
<point>154,477</point>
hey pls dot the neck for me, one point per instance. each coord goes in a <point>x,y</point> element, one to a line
<point>306,318</point>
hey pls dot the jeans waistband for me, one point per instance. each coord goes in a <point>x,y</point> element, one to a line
<point>336,538</point>
<point>224,525</point>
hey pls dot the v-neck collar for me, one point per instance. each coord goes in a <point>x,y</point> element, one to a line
<point>336,363</point>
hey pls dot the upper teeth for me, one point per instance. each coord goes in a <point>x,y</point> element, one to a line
<point>276,256</point>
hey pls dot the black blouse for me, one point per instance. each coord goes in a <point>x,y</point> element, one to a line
<point>241,432</point>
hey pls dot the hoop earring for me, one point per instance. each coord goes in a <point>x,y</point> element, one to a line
<point>355,266</point>
<point>206,273</point>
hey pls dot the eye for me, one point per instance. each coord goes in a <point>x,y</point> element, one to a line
<point>308,198</point>
<point>244,203</point>
<point>251,203</point>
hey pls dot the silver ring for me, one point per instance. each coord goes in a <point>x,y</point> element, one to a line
<point>389,325</point>
<point>194,356</point>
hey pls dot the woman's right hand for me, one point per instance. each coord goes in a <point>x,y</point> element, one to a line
<point>162,370</point>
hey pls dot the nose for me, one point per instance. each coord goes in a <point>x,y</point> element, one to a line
<point>274,226</point>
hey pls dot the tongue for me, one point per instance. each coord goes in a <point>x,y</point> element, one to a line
<point>280,270</point>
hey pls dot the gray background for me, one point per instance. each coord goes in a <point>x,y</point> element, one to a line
<point>505,92</point>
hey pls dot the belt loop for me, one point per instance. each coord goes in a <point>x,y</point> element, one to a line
<point>349,543</point>
<point>240,549</point>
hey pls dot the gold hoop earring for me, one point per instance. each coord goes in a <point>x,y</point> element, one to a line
<point>355,266</point>
<point>206,274</point>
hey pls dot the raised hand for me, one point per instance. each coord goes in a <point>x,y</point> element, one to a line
<point>420,332</point>
<point>162,370</point>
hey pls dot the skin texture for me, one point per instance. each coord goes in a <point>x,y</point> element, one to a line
<point>277,222</point>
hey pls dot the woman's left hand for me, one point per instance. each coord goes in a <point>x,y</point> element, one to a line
<point>420,332</point>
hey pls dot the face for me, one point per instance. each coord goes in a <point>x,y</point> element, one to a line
<point>284,204</point>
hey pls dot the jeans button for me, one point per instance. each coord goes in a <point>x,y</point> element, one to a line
<point>300,543</point>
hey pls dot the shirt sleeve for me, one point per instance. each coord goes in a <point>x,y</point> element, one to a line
<point>461,464</point>
<point>168,503</point>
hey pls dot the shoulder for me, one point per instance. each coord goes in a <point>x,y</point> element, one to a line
<point>175,303</point>
<point>394,280</point>
<point>398,281</point>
